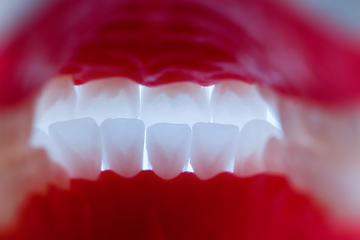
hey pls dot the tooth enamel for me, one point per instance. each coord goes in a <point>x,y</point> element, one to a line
<point>271,100</point>
<point>212,148</point>
<point>235,102</point>
<point>123,144</point>
<point>175,103</point>
<point>108,98</point>
<point>78,144</point>
<point>168,147</point>
<point>251,143</point>
<point>56,103</point>
<point>39,139</point>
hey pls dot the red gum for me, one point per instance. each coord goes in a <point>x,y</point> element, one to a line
<point>156,42</point>
<point>147,207</point>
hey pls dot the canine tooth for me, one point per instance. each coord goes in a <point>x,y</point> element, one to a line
<point>79,147</point>
<point>56,103</point>
<point>251,143</point>
<point>272,101</point>
<point>235,102</point>
<point>212,148</point>
<point>168,147</point>
<point>175,103</point>
<point>123,144</point>
<point>108,98</point>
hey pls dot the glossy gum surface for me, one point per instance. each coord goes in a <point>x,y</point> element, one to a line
<point>155,42</point>
<point>147,207</point>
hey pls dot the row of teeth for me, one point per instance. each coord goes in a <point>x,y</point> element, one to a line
<point>111,121</point>
<point>102,124</point>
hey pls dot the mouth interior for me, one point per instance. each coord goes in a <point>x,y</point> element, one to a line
<point>157,45</point>
<point>110,107</point>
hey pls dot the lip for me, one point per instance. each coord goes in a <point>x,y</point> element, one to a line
<point>263,42</point>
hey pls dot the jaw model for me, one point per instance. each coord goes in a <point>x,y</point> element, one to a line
<point>145,67</point>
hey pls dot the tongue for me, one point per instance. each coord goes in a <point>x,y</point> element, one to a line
<point>147,207</point>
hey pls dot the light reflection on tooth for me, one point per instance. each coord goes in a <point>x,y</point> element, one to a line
<point>252,140</point>
<point>174,103</point>
<point>212,148</point>
<point>272,101</point>
<point>56,103</point>
<point>123,144</point>
<point>78,147</point>
<point>168,147</point>
<point>235,102</point>
<point>108,98</point>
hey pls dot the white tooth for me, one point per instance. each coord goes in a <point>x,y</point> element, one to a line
<point>168,147</point>
<point>174,103</point>
<point>251,143</point>
<point>235,102</point>
<point>123,144</point>
<point>39,139</point>
<point>56,103</point>
<point>79,147</point>
<point>212,148</point>
<point>271,100</point>
<point>109,98</point>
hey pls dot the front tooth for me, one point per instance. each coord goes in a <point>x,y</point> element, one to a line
<point>108,98</point>
<point>175,103</point>
<point>235,102</point>
<point>212,148</point>
<point>56,102</point>
<point>168,147</point>
<point>251,143</point>
<point>79,147</point>
<point>123,144</point>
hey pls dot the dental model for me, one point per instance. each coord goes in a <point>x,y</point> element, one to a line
<point>140,119</point>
